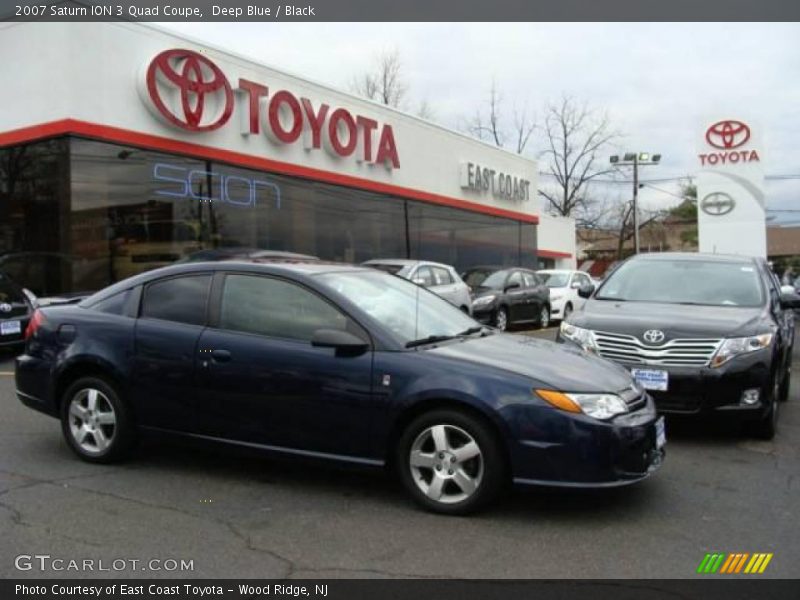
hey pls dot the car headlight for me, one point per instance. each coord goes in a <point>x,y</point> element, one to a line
<point>733,347</point>
<point>598,406</point>
<point>484,300</point>
<point>583,337</point>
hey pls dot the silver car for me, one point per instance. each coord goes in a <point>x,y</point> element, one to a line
<point>438,278</point>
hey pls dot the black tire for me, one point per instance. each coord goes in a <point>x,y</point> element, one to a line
<point>786,385</point>
<point>501,319</point>
<point>567,311</point>
<point>766,427</point>
<point>464,309</point>
<point>120,437</point>
<point>543,322</point>
<point>487,472</point>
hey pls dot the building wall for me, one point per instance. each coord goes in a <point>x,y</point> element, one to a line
<point>557,240</point>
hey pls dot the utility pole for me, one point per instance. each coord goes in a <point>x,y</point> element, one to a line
<point>634,159</point>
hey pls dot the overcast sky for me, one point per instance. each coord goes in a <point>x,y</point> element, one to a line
<point>659,82</point>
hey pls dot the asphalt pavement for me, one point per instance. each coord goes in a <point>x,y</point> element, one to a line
<point>242,515</point>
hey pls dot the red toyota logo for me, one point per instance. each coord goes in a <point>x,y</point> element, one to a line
<point>192,78</point>
<point>728,134</point>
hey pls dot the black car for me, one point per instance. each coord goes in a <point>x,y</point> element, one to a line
<point>335,362</point>
<point>16,306</point>
<point>506,296</point>
<point>704,333</point>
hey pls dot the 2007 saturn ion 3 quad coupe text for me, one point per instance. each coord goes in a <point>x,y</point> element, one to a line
<point>341,363</point>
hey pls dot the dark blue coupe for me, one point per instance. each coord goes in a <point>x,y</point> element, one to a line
<point>335,362</point>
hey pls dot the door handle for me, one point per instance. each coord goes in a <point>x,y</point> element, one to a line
<point>220,356</point>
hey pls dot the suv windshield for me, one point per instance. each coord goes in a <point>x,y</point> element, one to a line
<point>712,283</point>
<point>409,311</point>
<point>553,280</point>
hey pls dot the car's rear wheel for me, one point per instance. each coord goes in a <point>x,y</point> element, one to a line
<point>766,427</point>
<point>544,317</point>
<point>501,318</point>
<point>96,423</point>
<point>450,462</point>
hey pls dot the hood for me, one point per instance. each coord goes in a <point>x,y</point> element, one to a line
<point>560,366</point>
<point>480,290</point>
<point>675,320</point>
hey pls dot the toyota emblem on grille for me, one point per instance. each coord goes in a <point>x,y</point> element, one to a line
<point>653,336</point>
<point>5,307</point>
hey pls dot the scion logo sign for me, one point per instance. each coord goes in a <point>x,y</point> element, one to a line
<point>727,136</point>
<point>192,79</point>
<point>189,91</point>
<point>717,204</point>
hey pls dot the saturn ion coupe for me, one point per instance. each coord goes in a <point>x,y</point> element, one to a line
<point>339,363</point>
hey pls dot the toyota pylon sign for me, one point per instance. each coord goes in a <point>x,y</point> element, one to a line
<point>730,188</point>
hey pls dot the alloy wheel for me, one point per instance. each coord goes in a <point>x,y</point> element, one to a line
<point>92,421</point>
<point>446,464</point>
<point>501,321</point>
<point>544,317</point>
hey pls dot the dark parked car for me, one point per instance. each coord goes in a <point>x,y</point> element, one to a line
<point>336,362</point>
<point>704,333</point>
<point>508,296</point>
<point>16,306</point>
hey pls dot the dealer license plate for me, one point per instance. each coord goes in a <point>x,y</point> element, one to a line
<point>10,327</point>
<point>661,435</point>
<point>651,379</point>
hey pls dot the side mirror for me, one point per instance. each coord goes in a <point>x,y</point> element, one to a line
<point>585,291</point>
<point>513,286</point>
<point>790,300</point>
<point>418,281</point>
<point>340,340</point>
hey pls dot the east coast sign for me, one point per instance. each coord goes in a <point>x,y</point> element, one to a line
<point>188,91</point>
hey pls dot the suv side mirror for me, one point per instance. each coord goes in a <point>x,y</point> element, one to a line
<point>586,290</point>
<point>343,341</point>
<point>790,300</point>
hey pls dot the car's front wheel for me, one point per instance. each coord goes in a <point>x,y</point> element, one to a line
<point>450,462</point>
<point>767,426</point>
<point>544,317</point>
<point>96,422</point>
<point>501,318</point>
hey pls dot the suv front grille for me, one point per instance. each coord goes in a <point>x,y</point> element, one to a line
<point>686,352</point>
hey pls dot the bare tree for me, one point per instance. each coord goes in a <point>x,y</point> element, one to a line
<point>490,124</point>
<point>575,138</point>
<point>385,82</point>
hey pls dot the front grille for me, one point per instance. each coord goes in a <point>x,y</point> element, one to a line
<point>687,352</point>
<point>677,403</point>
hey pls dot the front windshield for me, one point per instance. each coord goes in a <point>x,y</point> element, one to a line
<point>409,311</point>
<point>712,283</point>
<point>553,280</point>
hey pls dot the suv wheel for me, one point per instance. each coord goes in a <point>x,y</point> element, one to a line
<point>450,462</point>
<point>786,385</point>
<point>96,422</point>
<point>767,426</point>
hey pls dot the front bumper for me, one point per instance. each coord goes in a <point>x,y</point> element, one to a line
<point>718,391</point>
<point>582,452</point>
<point>484,314</point>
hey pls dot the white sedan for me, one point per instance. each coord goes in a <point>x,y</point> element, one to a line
<point>564,286</point>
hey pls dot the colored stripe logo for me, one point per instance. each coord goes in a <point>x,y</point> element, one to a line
<point>734,563</point>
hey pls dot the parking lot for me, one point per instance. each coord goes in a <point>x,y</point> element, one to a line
<point>239,515</point>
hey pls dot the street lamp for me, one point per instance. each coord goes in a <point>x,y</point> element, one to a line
<point>635,159</point>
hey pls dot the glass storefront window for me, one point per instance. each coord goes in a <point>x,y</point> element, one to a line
<point>93,213</point>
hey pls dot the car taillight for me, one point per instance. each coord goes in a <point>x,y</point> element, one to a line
<point>37,320</point>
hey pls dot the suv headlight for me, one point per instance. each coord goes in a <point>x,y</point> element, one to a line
<point>583,337</point>
<point>484,300</point>
<point>598,406</point>
<point>733,347</point>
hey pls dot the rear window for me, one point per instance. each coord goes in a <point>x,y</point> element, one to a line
<point>180,299</point>
<point>710,283</point>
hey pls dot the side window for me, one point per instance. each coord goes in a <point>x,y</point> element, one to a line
<point>529,279</point>
<point>441,276</point>
<point>179,299</point>
<point>516,277</point>
<point>114,305</point>
<point>424,274</point>
<point>774,289</point>
<point>581,280</point>
<point>275,308</point>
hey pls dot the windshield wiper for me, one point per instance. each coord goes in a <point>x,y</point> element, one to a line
<point>471,330</point>
<point>431,339</point>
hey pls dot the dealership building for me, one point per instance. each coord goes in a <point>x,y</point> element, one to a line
<point>124,147</point>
